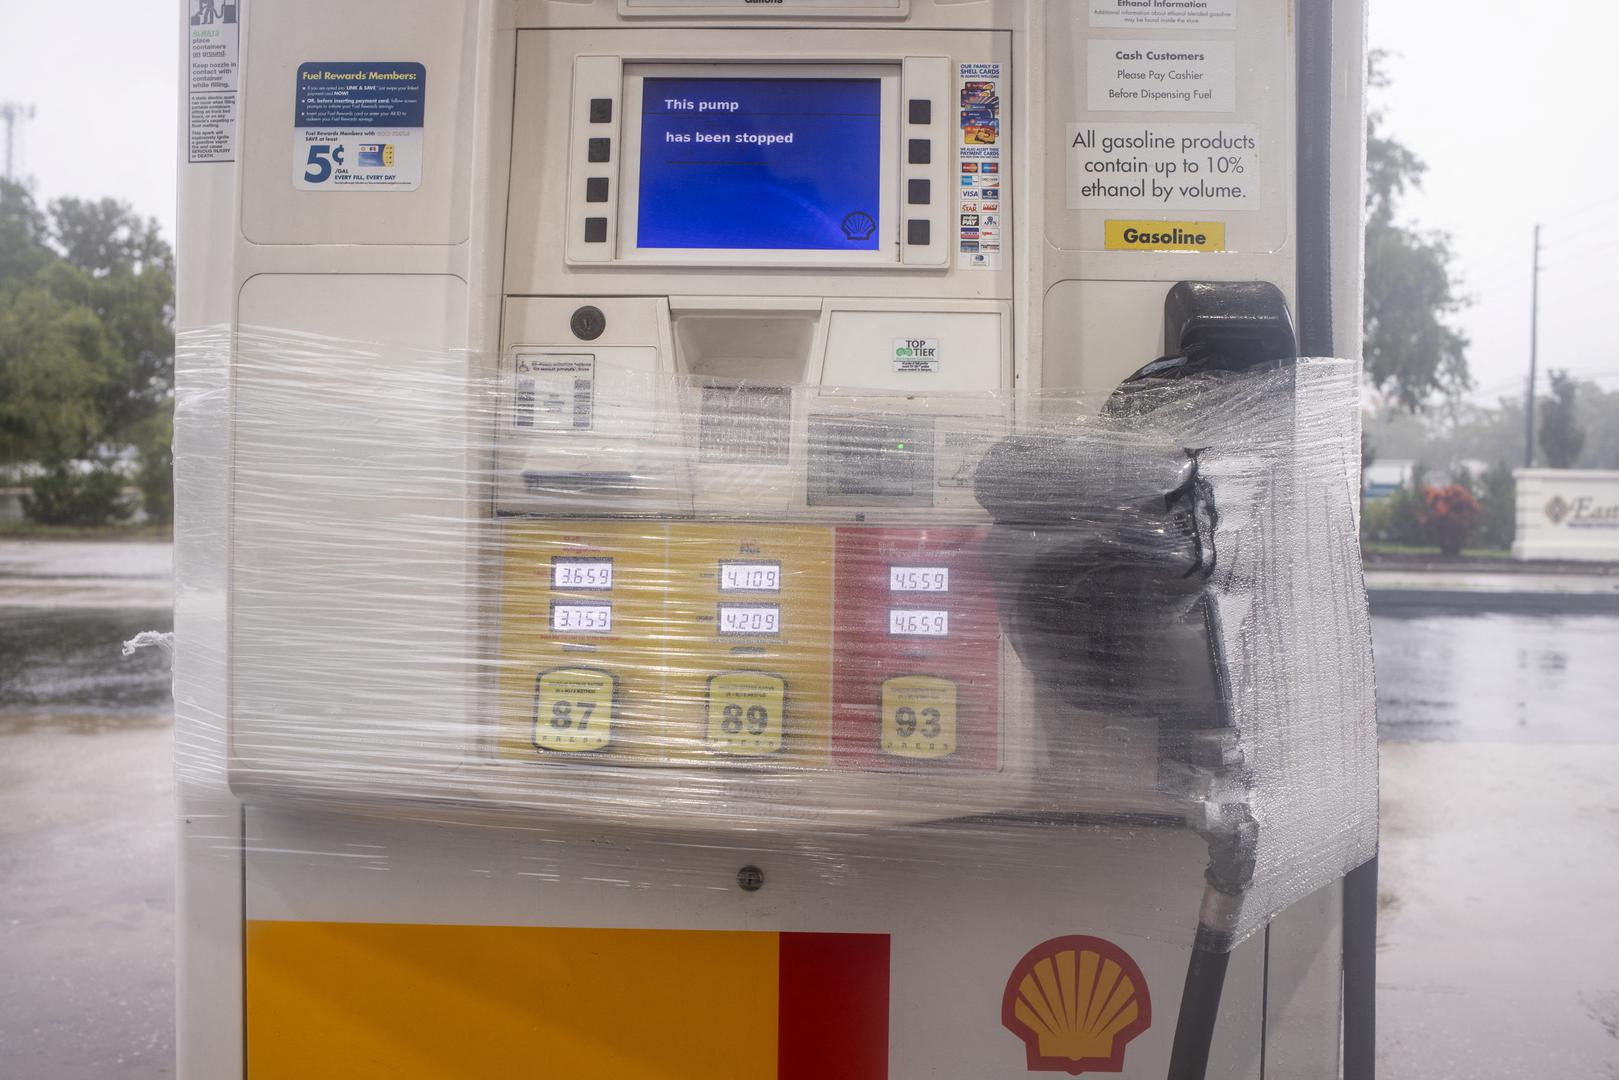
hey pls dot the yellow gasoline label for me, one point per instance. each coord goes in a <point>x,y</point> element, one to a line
<point>573,709</point>
<point>745,712</point>
<point>919,716</point>
<point>1164,236</point>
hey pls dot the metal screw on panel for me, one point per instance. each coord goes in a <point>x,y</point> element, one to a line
<point>588,323</point>
<point>751,878</point>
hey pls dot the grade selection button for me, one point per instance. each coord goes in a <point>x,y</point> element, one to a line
<point>746,710</point>
<point>573,709</point>
<point>919,716</point>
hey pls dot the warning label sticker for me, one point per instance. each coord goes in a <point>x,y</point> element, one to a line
<point>211,79</point>
<point>1220,14</point>
<point>359,125</point>
<point>1152,76</point>
<point>1163,166</point>
<point>554,391</point>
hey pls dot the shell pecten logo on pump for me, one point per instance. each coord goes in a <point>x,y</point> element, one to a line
<point>1076,1002</point>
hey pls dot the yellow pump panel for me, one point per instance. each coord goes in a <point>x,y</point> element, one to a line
<point>582,614</point>
<point>750,641</point>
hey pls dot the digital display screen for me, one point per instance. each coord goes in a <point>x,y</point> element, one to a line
<point>915,622</point>
<point>750,577</point>
<point>581,573</point>
<point>582,618</point>
<point>918,579</point>
<point>750,619</point>
<point>760,164</point>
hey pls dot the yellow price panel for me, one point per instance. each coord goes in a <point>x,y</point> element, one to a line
<point>746,712</point>
<point>919,716</point>
<point>581,632</point>
<point>573,709</point>
<point>749,641</point>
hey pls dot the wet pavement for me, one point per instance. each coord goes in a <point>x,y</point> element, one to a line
<point>1498,946</point>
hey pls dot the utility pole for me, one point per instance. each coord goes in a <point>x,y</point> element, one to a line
<point>15,116</point>
<point>1534,340</point>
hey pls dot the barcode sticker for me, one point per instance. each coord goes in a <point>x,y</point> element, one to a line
<point>554,392</point>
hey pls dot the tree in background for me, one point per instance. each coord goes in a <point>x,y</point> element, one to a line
<point>86,354</point>
<point>1498,506</point>
<point>1411,352</point>
<point>1561,436</point>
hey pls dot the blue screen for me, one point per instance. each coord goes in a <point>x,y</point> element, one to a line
<point>788,164</point>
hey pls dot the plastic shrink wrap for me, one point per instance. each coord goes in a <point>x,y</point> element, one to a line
<point>944,631</point>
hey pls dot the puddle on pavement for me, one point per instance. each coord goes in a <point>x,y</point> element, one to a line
<point>66,668</point>
<point>1497,677</point>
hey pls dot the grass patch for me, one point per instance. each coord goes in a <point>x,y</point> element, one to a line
<point>29,530</point>
<point>1420,552</point>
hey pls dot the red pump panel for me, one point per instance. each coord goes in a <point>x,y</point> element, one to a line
<point>916,650</point>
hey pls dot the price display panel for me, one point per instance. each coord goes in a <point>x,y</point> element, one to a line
<point>919,579</point>
<point>581,618</point>
<point>750,619</point>
<point>748,632</point>
<point>918,622</point>
<point>581,659</point>
<point>917,650</point>
<point>590,575</point>
<point>750,577</point>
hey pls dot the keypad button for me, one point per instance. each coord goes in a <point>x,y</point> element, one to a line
<point>921,111</point>
<point>599,150</point>
<point>601,110</point>
<point>918,192</point>
<point>595,189</point>
<point>918,231</point>
<point>919,152</point>
<point>595,230</point>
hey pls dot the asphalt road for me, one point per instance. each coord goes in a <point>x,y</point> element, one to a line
<point>1499,950</point>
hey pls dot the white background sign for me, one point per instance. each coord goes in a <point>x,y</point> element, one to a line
<point>1160,76</point>
<point>1220,14</point>
<point>1154,166</point>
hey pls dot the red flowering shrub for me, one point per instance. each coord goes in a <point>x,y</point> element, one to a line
<point>1452,513</point>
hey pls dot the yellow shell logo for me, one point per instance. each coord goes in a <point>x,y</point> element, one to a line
<point>1076,1002</point>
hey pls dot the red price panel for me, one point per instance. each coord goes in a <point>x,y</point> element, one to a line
<point>916,650</point>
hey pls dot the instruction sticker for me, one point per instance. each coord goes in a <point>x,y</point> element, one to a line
<point>1163,166</point>
<point>359,125</point>
<point>979,148</point>
<point>553,392</point>
<point>916,354</point>
<point>1157,76</point>
<point>211,80</point>
<point>1220,14</point>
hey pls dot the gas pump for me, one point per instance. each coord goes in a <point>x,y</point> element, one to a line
<point>795,539</point>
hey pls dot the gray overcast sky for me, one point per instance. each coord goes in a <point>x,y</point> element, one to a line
<point>1511,104</point>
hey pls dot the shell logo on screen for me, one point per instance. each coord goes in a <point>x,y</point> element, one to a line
<point>1076,1002</point>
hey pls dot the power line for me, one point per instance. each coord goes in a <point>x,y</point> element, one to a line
<point>1534,337</point>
